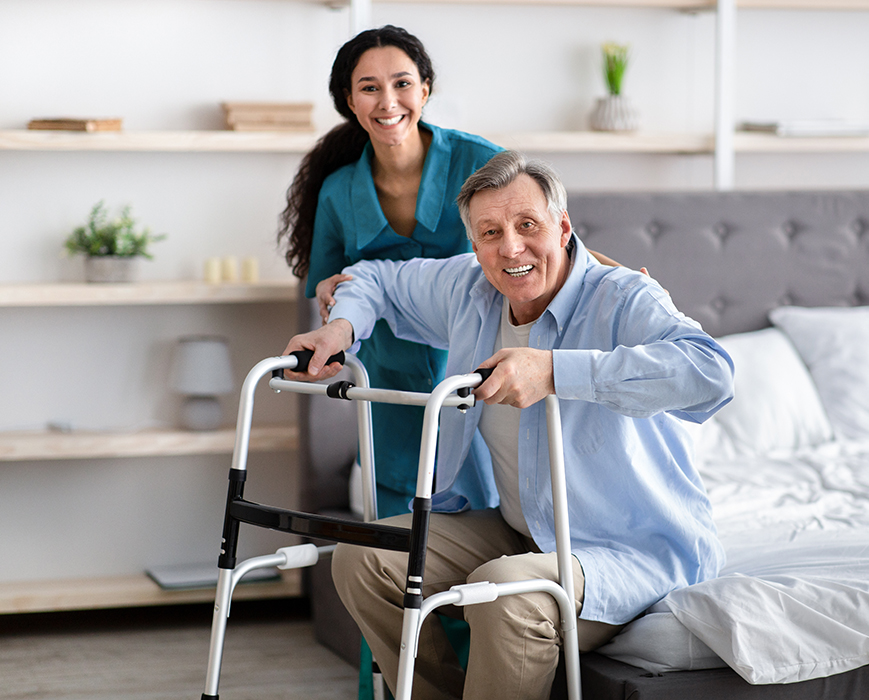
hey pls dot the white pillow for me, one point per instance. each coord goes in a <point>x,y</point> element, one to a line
<point>834,344</point>
<point>775,406</point>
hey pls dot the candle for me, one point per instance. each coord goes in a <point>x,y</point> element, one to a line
<point>250,270</point>
<point>212,273</point>
<point>229,269</point>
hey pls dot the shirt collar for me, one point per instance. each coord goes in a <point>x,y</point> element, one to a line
<point>564,303</point>
<point>368,216</point>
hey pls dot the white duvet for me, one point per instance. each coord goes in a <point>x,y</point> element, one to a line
<point>792,602</point>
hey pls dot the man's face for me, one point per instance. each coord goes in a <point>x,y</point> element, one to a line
<point>519,245</point>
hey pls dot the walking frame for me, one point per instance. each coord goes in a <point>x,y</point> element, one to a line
<point>452,392</point>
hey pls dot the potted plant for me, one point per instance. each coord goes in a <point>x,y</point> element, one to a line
<point>614,112</point>
<point>111,247</point>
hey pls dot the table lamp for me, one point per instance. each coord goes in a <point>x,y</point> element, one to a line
<point>202,372</point>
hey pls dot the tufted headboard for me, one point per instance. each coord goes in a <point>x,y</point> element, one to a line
<point>728,258</point>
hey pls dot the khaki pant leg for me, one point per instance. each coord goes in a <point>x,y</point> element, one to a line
<point>515,640</point>
<point>371,582</point>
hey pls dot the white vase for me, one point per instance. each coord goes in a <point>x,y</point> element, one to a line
<point>614,113</point>
<point>109,268</point>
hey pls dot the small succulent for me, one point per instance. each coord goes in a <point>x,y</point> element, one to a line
<point>118,237</point>
<point>615,63</point>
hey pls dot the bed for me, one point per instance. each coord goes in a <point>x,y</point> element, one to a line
<point>782,278</point>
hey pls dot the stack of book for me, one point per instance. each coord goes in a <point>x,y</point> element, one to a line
<point>810,127</point>
<point>268,116</point>
<point>69,124</point>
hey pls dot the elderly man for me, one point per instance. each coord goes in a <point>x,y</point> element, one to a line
<point>626,366</point>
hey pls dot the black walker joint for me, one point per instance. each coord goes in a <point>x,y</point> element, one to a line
<point>338,390</point>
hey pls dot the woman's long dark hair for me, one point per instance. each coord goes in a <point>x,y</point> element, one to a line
<point>342,145</point>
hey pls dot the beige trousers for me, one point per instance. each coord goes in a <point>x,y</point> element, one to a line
<point>514,640</point>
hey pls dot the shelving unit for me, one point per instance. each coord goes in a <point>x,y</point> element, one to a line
<point>19,447</point>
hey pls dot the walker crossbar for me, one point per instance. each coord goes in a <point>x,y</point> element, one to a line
<point>321,526</point>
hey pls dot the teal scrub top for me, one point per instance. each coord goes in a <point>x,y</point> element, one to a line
<point>350,226</point>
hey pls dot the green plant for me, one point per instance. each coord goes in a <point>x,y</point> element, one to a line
<point>615,63</point>
<point>102,237</point>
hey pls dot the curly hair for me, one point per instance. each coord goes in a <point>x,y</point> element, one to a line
<point>342,145</point>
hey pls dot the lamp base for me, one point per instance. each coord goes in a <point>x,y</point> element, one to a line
<point>201,413</point>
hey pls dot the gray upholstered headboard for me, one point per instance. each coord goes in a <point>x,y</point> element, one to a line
<point>728,258</point>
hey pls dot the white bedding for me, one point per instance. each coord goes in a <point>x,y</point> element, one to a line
<point>792,602</point>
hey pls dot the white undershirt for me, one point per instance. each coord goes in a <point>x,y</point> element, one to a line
<point>499,426</point>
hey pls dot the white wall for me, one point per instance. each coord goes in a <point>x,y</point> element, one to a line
<point>167,65</point>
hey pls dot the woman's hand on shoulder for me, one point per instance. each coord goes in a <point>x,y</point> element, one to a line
<point>606,260</point>
<point>325,294</point>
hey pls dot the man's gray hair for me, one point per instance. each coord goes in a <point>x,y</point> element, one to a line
<point>501,170</point>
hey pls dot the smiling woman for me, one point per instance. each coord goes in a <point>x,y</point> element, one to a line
<point>382,185</point>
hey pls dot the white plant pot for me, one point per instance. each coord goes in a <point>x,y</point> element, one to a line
<point>614,113</point>
<point>110,268</point>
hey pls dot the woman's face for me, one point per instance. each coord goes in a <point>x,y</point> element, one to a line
<point>387,95</point>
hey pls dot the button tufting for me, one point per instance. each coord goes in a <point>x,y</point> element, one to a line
<point>581,230</point>
<point>721,230</point>
<point>858,226</point>
<point>653,229</point>
<point>719,305</point>
<point>790,229</point>
<point>786,300</point>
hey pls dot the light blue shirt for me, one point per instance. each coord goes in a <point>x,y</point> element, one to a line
<point>627,367</point>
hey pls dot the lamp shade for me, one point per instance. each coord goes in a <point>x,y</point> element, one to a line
<point>201,366</point>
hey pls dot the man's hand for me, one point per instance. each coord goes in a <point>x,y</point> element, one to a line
<point>522,377</point>
<point>325,342</point>
<point>325,290</point>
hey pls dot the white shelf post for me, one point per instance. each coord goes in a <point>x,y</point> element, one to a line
<point>360,16</point>
<point>725,57</point>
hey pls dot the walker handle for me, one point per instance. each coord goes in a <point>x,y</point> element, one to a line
<point>484,372</point>
<point>303,357</point>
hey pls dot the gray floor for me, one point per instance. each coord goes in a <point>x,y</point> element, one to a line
<point>159,654</point>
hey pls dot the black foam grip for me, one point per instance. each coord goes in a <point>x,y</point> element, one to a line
<point>484,372</point>
<point>303,357</point>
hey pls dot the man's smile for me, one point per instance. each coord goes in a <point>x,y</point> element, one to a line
<point>520,271</point>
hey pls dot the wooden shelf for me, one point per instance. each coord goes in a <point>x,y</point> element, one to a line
<point>770,143</point>
<point>165,141</point>
<point>600,142</point>
<point>22,446</point>
<point>231,141</point>
<point>145,293</point>
<point>534,142</point>
<point>127,591</point>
